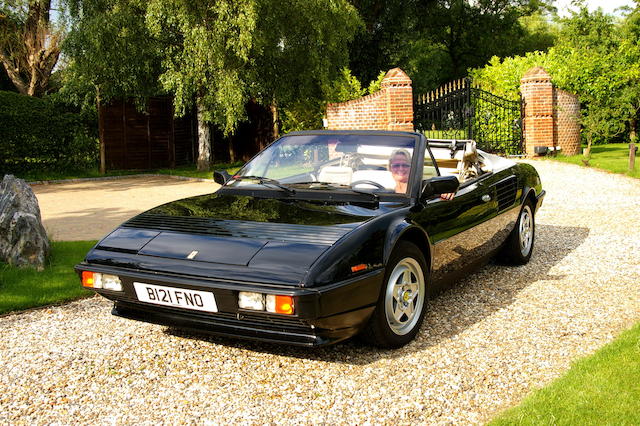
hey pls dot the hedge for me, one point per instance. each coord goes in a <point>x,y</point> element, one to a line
<point>38,134</point>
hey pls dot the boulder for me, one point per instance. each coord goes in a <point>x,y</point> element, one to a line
<point>23,240</point>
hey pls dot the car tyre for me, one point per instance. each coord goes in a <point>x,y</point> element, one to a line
<point>519,245</point>
<point>402,302</point>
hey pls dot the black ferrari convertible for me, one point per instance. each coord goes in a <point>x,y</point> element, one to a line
<point>321,236</point>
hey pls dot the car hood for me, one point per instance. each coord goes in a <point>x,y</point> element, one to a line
<point>232,237</point>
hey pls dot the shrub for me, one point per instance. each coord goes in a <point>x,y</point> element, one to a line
<point>40,134</point>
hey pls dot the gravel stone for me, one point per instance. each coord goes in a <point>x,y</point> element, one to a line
<point>484,345</point>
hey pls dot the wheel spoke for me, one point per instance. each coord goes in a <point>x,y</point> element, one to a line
<point>410,309</point>
<point>397,312</point>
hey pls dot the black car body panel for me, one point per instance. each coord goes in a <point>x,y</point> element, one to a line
<point>328,250</point>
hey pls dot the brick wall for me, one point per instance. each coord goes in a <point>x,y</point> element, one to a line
<point>566,120</point>
<point>551,115</point>
<point>389,109</point>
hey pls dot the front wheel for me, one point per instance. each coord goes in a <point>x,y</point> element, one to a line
<point>519,246</point>
<point>401,306</point>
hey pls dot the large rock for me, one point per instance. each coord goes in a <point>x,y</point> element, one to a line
<point>23,240</point>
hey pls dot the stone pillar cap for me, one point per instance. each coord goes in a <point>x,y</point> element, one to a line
<point>396,77</point>
<point>536,74</point>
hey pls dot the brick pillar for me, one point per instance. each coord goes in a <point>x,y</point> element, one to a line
<point>537,95</point>
<point>389,109</point>
<point>399,94</point>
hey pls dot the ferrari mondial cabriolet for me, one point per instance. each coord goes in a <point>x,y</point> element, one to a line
<point>321,236</point>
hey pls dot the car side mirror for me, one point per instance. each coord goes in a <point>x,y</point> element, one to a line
<point>221,177</point>
<point>439,185</point>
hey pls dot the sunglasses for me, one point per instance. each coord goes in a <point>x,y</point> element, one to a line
<point>397,166</point>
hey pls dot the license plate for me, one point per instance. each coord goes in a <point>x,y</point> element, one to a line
<point>176,297</point>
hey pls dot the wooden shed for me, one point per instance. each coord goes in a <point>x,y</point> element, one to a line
<point>131,139</point>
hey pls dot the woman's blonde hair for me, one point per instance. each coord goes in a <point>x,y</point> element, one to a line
<point>399,151</point>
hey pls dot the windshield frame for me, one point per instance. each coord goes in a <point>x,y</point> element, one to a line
<point>413,184</point>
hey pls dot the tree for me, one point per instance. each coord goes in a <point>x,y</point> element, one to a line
<point>29,44</point>
<point>436,41</point>
<point>109,52</point>
<point>223,53</point>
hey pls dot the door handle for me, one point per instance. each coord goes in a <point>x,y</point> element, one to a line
<point>486,198</point>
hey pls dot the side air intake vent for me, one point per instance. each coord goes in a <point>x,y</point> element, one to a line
<point>506,192</point>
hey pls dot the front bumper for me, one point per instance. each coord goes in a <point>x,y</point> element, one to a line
<point>323,315</point>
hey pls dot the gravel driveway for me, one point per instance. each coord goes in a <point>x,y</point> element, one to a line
<point>484,344</point>
<point>87,209</point>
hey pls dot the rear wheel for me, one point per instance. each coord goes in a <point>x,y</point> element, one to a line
<point>518,247</point>
<point>401,306</point>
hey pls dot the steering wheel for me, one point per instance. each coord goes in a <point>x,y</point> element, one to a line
<point>367,182</point>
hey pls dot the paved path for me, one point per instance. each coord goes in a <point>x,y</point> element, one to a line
<point>501,333</point>
<point>89,209</point>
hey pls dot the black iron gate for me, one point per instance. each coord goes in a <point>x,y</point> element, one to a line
<point>458,110</point>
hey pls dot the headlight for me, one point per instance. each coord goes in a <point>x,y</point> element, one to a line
<point>98,280</point>
<point>248,300</point>
<point>273,303</point>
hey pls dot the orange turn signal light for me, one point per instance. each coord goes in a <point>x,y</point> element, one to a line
<point>87,279</point>
<point>358,268</point>
<point>284,305</point>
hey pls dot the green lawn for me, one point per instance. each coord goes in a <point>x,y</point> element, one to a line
<point>189,171</point>
<point>602,389</point>
<point>613,157</point>
<point>22,288</point>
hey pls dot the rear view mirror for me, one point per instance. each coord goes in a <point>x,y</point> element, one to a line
<point>221,177</point>
<point>439,185</point>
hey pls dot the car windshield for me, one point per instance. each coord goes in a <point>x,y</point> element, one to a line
<point>371,163</point>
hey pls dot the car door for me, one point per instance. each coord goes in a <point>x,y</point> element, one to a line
<point>460,230</point>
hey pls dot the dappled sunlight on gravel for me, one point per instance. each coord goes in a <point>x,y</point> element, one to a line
<point>484,344</point>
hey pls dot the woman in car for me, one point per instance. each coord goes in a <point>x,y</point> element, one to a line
<point>400,167</point>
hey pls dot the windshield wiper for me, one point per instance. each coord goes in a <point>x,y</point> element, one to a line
<point>338,186</point>
<point>266,181</point>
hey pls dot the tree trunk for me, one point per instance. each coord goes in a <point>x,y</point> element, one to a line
<point>632,146</point>
<point>103,151</point>
<point>274,114</point>
<point>587,151</point>
<point>204,140</point>
<point>232,152</point>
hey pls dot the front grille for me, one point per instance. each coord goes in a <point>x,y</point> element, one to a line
<point>263,322</point>
<point>244,229</point>
<point>506,192</point>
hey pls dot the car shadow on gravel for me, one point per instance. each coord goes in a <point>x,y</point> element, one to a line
<point>473,299</point>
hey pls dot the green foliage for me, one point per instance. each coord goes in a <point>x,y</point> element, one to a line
<point>376,85</point>
<point>597,390</point>
<point>502,76</point>
<point>39,134</point>
<point>225,52</point>
<point>437,41</point>
<point>23,288</point>
<point>307,113</point>
<point>110,53</point>
<point>345,88</point>
<point>596,58</point>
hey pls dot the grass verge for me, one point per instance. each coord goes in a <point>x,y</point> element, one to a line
<point>602,389</point>
<point>613,157</point>
<point>22,288</point>
<point>188,171</point>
